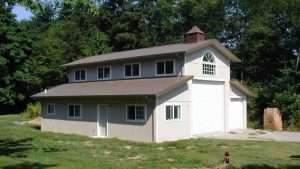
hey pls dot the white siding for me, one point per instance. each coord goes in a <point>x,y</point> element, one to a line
<point>193,65</point>
<point>173,129</point>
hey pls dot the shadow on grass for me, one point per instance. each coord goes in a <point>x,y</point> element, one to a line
<point>265,166</point>
<point>36,127</point>
<point>295,157</point>
<point>15,148</point>
<point>29,165</point>
<point>53,149</point>
<point>18,148</point>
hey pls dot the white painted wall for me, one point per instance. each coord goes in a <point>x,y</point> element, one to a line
<point>193,65</point>
<point>177,129</point>
<point>187,97</point>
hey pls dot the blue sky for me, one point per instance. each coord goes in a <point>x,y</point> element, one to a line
<point>21,13</point>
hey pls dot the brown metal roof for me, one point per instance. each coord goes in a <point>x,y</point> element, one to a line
<point>134,87</point>
<point>241,87</point>
<point>194,29</point>
<point>181,48</point>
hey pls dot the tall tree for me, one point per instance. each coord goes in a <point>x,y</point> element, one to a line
<point>15,51</point>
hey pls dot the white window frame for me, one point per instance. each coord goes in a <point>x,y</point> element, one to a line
<point>173,105</point>
<point>54,110</point>
<point>139,120</point>
<point>103,67</point>
<point>74,117</point>
<point>165,67</point>
<point>130,77</point>
<point>204,63</point>
<point>80,80</point>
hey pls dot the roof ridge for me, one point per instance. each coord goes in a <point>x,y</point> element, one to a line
<point>116,52</point>
<point>169,49</point>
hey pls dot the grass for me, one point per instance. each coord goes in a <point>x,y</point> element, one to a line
<point>25,147</point>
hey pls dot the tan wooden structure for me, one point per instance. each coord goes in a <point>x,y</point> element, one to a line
<point>273,119</point>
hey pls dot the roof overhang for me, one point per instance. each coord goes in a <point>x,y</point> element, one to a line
<point>113,88</point>
<point>216,44</point>
<point>242,88</point>
<point>178,53</point>
<point>166,50</point>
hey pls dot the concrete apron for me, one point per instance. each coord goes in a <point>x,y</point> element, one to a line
<point>251,134</point>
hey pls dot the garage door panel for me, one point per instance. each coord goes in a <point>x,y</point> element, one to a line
<point>208,107</point>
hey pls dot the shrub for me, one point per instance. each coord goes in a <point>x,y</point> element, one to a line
<point>32,111</point>
<point>284,93</point>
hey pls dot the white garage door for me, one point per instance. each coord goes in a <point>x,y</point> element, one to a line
<point>208,107</point>
<point>236,114</point>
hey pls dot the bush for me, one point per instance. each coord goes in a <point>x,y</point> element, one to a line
<point>284,93</point>
<point>32,111</point>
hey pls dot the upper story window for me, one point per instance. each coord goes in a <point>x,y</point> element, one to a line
<point>50,109</point>
<point>132,70</point>
<point>208,64</point>
<point>165,67</point>
<point>103,73</point>
<point>173,112</point>
<point>136,112</point>
<point>80,75</point>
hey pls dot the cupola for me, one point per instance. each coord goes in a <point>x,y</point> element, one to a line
<point>194,35</point>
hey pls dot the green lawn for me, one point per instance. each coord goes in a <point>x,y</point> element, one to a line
<point>26,147</point>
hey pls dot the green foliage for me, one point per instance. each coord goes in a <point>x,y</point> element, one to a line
<point>286,96</point>
<point>282,92</point>
<point>32,111</point>
<point>15,51</point>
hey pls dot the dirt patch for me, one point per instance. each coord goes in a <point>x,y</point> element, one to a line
<point>170,159</point>
<point>88,143</point>
<point>222,166</point>
<point>189,147</point>
<point>160,148</point>
<point>36,121</point>
<point>137,157</point>
<point>257,132</point>
<point>128,147</point>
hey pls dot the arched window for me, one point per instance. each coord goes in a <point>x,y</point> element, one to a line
<point>208,64</point>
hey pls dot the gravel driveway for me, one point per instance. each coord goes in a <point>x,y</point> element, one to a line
<point>256,135</point>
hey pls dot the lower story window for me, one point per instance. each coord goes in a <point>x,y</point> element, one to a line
<point>50,109</point>
<point>136,112</point>
<point>74,111</point>
<point>173,112</point>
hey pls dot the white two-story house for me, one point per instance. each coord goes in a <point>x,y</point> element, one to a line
<point>153,94</point>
